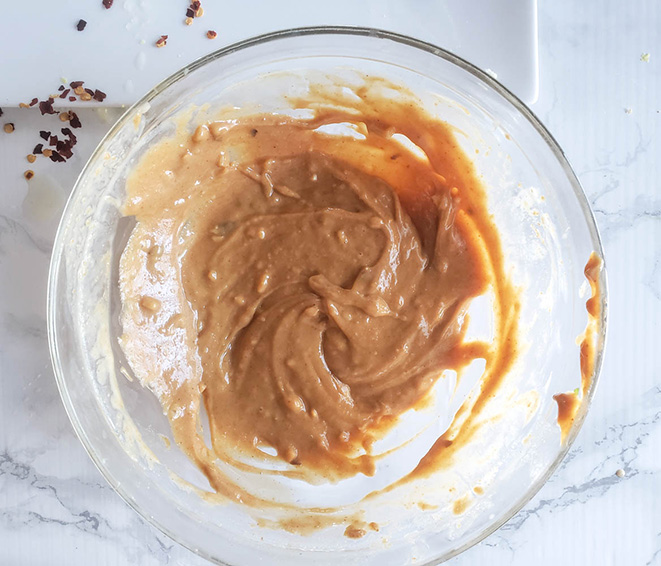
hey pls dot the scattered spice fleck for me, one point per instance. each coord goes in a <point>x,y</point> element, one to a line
<point>28,174</point>
<point>74,120</point>
<point>107,4</point>
<point>44,135</point>
<point>60,88</point>
<point>75,84</point>
<point>37,148</point>
<point>31,157</point>
<point>64,93</point>
<point>1,112</point>
<point>99,95</point>
<point>189,20</point>
<point>162,41</point>
<point>23,105</point>
<point>34,101</point>
<point>199,12</point>
<point>620,473</point>
<point>64,116</point>
<point>72,99</point>
<point>47,152</point>
<point>212,34</point>
<point>645,57</point>
<point>85,96</point>
<point>46,106</point>
<point>9,127</point>
<point>80,26</point>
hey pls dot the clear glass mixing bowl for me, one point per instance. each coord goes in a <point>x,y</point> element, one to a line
<point>548,233</point>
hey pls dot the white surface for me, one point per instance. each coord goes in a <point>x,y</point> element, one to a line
<point>55,508</point>
<point>40,35</point>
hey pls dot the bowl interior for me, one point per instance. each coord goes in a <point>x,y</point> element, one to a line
<point>547,234</point>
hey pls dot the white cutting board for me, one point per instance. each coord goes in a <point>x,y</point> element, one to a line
<point>116,53</point>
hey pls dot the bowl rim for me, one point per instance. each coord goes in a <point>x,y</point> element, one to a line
<point>290,33</point>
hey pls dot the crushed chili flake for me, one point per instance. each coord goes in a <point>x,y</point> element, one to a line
<point>76,84</point>
<point>99,95</point>
<point>107,4</point>
<point>162,41</point>
<point>57,158</point>
<point>188,21</point>
<point>80,26</point>
<point>212,34</point>
<point>46,106</point>
<point>29,174</point>
<point>47,152</point>
<point>44,135</point>
<point>60,88</point>
<point>23,105</point>
<point>190,14</point>
<point>72,136</point>
<point>1,112</point>
<point>64,116</point>
<point>9,127</point>
<point>65,92</point>
<point>72,99</point>
<point>31,158</point>
<point>52,140</point>
<point>37,148</point>
<point>74,121</point>
<point>89,91</point>
<point>34,101</point>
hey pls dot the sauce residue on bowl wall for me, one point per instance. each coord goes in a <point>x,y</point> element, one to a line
<point>569,403</point>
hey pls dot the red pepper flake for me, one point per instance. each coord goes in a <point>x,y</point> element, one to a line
<point>60,88</point>
<point>57,158</point>
<point>76,84</point>
<point>29,174</point>
<point>99,95</point>
<point>74,121</point>
<point>46,107</point>
<point>9,127</point>
<point>72,136</point>
<point>89,91</point>
<point>80,26</point>
<point>64,93</point>
<point>1,112</point>
<point>44,135</point>
<point>190,13</point>
<point>37,148</point>
<point>34,101</point>
<point>72,99</point>
<point>162,41</point>
<point>52,140</point>
<point>107,4</point>
<point>212,34</point>
<point>195,5</point>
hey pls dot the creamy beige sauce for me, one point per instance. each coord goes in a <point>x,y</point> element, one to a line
<point>308,288</point>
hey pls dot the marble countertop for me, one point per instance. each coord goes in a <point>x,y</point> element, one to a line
<point>602,102</point>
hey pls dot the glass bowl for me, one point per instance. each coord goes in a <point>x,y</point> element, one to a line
<point>547,231</point>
